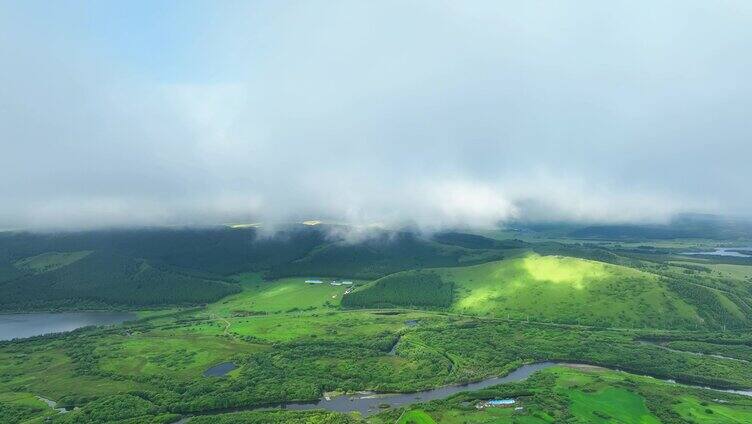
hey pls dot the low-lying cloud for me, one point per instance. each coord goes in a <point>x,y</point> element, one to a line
<point>421,113</point>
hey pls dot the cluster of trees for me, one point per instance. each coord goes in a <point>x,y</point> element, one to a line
<point>405,289</point>
<point>117,408</point>
<point>486,346</point>
<point>15,413</point>
<point>708,304</point>
<point>278,417</point>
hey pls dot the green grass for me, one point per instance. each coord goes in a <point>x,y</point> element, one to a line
<point>176,355</point>
<point>611,405</point>
<point>568,290</point>
<point>416,416</point>
<point>50,260</point>
<point>330,325</point>
<point>693,410</point>
<point>740,272</point>
<point>48,372</point>
<point>278,296</point>
<point>490,415</point>
<point>736,271</point>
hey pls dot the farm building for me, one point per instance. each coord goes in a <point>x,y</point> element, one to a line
<point>314,281</point>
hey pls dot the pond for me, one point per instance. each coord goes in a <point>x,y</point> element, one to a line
<point>16,326</point>
<point>219,370</point>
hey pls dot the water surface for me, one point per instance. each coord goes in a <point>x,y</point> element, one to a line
<point>219,370</point>
<point>725,251</point>
<point>16,326</point>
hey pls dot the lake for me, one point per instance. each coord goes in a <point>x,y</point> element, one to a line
<point>14,326</point>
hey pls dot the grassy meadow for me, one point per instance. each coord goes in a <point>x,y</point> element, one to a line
<point>283,295</point>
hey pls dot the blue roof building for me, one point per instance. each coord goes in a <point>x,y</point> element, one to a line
<point>502,402</point>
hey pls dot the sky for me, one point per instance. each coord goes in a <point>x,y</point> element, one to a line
<point>429,113</point>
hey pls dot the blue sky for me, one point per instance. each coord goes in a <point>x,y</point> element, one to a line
<point>158,40</point>
<point>431,112</point>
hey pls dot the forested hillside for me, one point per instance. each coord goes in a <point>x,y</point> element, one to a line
<point>381,255</point>
<point>102,279</point>
<point>130,268</point>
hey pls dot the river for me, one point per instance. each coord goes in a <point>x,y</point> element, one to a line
<point>16,326</point>
<point>368,403</point>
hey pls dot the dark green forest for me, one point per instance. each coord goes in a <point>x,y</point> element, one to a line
<point>408,289</point>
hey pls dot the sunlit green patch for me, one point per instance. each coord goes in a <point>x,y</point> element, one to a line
<point>694,410</point>
<point>416,416</point>
<point>611,405</point>
<point>474,416</point>
<point>50,260</point>
<point>568,290</point>
<point>288,294</point>
<point>573,272</point>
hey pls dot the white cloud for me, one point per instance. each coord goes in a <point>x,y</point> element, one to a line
<point>429,114</point>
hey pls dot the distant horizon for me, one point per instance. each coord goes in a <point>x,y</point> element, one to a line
<point>272,227</point>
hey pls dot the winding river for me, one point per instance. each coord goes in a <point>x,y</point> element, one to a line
<point>369,403</point>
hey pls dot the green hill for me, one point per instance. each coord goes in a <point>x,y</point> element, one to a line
<point>569,290</point>
<point>543,288</point>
